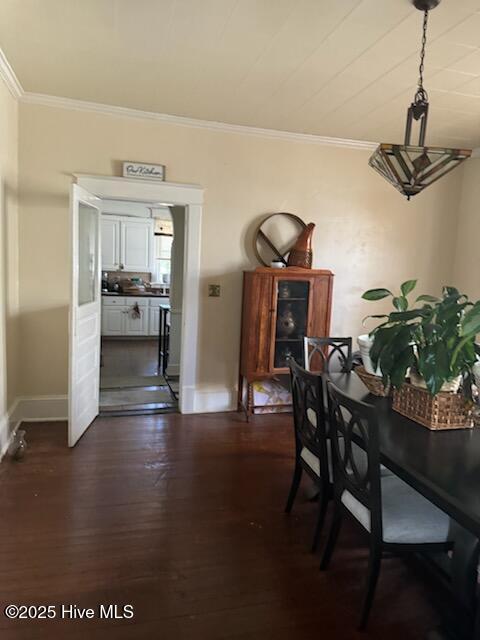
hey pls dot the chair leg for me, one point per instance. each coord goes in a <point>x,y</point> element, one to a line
<point>322,510</point>
<point>332,539</point>
<point>297,476</point>
<point>374,564</point>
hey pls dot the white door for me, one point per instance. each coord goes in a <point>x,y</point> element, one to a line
<point>84,360</point>
<point>110,243</point>
<point>137,240</point>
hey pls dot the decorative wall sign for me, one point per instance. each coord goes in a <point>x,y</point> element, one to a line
<point>143,171</point>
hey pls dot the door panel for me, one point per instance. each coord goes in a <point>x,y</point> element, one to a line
<point>134,325</point>
<point>113,320</point>
<point>154,321</point>
<point>110,243</point>
<point>257,325</point>
<point>319,321</point>
<point>84,335</point>
<point>137,240</point>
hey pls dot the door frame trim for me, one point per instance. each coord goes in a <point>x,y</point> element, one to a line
<point>191,197</point>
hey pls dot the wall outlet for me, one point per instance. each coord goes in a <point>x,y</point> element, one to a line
<point>213,290</point>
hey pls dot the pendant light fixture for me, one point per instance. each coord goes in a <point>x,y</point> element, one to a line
<point>409,168</point>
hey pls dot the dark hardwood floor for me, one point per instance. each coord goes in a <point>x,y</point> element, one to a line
<point>135,357</point>
<point>182,517</point>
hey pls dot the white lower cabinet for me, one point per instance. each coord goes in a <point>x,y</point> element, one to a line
<point>154,315</point>
<point>154,321</point>
<point>136,321</point>
<point>128,316</point>
<point>112,321</point>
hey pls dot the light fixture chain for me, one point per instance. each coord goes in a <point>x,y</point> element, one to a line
<point>421,90</point>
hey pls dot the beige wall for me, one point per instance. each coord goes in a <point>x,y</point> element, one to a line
<point>8,254</point>
<point>466,272</point>
<point>366,232</point>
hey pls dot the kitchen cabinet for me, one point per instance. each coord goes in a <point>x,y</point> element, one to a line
<point>110,243</point>
<point>113,321</point>
<point>136,245</point>
<point>154,315</point>
<point>119,317</point>
<point>127,244</point>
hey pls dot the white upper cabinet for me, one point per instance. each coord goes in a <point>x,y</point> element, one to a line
<point>127,244</point>
<point>110,244</point>
<point>136,244</point>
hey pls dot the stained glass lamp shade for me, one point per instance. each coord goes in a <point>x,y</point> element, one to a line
<point>409,168</point>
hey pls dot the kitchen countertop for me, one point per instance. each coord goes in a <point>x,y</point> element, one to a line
<point>140,294</point>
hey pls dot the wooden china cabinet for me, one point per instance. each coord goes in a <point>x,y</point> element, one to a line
<point>280,307</point>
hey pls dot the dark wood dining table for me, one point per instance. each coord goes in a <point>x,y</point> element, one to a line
<point>444,466</point>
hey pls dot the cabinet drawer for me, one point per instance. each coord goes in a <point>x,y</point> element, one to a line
<point>109,301</point>
<point>130,301</point>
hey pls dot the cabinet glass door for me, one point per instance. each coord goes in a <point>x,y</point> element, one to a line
<point>291,321</point>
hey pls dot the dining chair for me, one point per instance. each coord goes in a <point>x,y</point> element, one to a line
<point>324,352</point>
<point>311,453</point>
<point>312,449</point>
<point>396,517</point>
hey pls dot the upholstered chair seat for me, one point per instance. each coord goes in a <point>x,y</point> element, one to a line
<point>407,517</point>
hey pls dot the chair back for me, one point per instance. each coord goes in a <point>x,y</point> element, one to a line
<point>353,431</point>
<point>326,354</point>
<point>309,413</point>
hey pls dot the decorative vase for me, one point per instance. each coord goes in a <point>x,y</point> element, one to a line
<point>284,290</point>
<point>286,324</point>
<point>286,354</point>
<point>18,445</point>
<point>301,254</point>
<point>365,343</point>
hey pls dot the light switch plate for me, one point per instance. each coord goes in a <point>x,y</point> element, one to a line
<point>213,290</point>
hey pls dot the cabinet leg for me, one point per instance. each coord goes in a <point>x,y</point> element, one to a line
<point>245,406</point>
<point>249,410</point>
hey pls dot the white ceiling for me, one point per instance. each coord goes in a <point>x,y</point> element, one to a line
<point>342,68</point>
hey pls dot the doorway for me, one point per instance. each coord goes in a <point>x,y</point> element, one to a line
<point>180,375</point>
<point>142,247</point>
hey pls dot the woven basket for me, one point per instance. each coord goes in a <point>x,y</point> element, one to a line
<point>373,383</point>
<point>446,410</point>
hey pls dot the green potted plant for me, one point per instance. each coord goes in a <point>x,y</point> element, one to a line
<point>400,303</point>
<point>433,342</point>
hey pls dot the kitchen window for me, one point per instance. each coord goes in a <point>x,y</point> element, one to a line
<point>162,252</point>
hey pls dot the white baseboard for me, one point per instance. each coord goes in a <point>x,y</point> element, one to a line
<point>55,408</point>
<point>209,399</point>
<point>40,408</point>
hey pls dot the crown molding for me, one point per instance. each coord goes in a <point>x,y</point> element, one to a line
<point>27,97</point>
<point>222,127</point>
<point>13,84</point>
<point>8,76</point>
